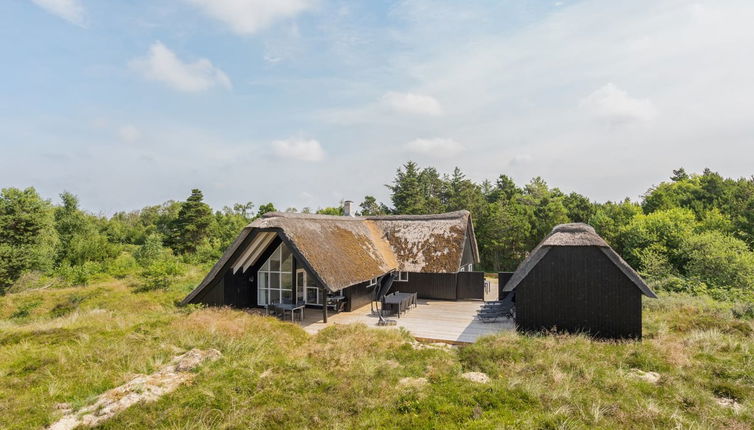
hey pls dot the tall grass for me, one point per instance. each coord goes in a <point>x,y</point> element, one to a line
<point>69,345</point>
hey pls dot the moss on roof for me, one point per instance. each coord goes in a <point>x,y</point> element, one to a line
<point>344,251</point>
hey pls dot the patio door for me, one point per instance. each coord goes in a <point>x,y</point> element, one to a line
<point>306,288</point>
<point>301,283</point>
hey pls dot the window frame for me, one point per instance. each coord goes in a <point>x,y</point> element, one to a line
<point>265,272</point>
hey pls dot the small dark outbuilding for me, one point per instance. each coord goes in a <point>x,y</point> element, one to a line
<point>574,282</point>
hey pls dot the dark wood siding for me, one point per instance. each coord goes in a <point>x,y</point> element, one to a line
<point>470,285</point>
<point>236,290</point>
<point>578,289</point>
<point>429,285</point>
<point>213,295</point>
<point>357,296</point>
<point>502,279</point>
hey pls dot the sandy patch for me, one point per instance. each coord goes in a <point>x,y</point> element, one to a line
<point>479,377</point>
<point>147,388</point>
<point>651,377</point>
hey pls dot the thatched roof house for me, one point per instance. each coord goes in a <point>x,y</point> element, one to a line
<point>294,254</point>
<point>574,281</point>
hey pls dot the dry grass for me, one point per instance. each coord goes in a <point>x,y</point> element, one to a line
<point>70,345</point>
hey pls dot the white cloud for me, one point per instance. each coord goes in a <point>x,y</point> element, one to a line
<point>129,133</point>
<point>615,105</point>
<point>436,147</point>
<point>298,149</point>
<point>161,64</point>
<point>70,10</point>
<point>412,103</point>
<point>251,16</point>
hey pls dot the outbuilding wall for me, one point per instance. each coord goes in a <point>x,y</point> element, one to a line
<point>578,289</point>
<point>429,285</point>
<point>357,296</point>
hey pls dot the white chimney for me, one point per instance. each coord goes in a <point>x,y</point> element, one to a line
<point>348,209</point>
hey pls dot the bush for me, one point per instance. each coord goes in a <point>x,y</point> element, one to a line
<point>90,246</point>
<point>150,251</point>
<point>663,231</point>
<point>207,251</point>
<point>721,261</point>
<point>678,284</point>
<point>124,265</point>
<point>80,274</point>
<point>25,308</point>
<point>160,274</point>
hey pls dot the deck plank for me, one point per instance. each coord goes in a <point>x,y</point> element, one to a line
<point>436,320</point>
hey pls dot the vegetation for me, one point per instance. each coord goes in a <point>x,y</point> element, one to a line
<point>62,347</point>
<point>693,233</point>
<point>91,300</point>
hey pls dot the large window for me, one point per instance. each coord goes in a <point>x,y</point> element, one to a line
<point>275,278</point>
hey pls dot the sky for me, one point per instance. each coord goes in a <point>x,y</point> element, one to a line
<point>308,102</point>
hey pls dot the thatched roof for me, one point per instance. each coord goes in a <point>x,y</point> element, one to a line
<point>342,251</point>
<point>574,235</point>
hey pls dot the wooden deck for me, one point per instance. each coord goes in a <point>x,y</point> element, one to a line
<point>432,320</point>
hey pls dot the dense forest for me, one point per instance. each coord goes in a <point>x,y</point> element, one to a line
<point>692,233</point>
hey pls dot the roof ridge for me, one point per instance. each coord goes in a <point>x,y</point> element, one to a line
<point>400,217</point>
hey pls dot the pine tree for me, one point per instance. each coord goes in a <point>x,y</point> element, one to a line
<point>191,227</point>
<point>370,207</point>
<point>408,196</point>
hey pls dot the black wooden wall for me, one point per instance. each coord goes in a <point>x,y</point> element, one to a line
<point>357,296</point>
<point>236,290</point>
<point>429,285</point>
<point>470,285</point>
<point>578,289</point>
<point>502,279</point>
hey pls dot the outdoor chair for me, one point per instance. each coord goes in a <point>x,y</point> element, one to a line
<point>491,311</point>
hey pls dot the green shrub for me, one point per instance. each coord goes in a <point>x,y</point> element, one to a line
<point>160,274</point>
<point>25,308</point>
<point>69,304</point>
<point>720,260</point>
<point>664,231</point>
<point>122,266</point>
<point>80,274</point>
<point>678,284</point>
<point>207,251</point>
<point>150,251</point>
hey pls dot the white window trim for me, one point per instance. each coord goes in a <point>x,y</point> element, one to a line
<point>279,253</point>
<point>402,277</point>
<point>372,282</point>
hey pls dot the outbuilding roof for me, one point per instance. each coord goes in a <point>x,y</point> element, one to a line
<point>575,235</point>
<point>342,251</point>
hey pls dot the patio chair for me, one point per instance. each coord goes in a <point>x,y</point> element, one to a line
<point>490,312</point>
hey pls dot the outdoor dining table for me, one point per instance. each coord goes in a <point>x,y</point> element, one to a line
<point>336,302</point>
<point>403,301</point>
<point>288,307</point>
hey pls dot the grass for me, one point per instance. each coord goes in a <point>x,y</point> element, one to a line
<point>69,345</point>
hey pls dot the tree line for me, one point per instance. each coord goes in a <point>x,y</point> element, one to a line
<point>692,232</point>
